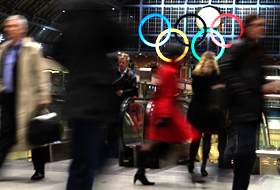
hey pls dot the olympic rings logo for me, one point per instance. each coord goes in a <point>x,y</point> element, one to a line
<point>168,31</point>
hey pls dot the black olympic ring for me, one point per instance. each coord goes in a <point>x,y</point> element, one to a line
<point>204,26</point>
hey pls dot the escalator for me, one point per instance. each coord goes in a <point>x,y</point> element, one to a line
<point>268,151</point>
<point>134,112</point>
<point>134,116</point>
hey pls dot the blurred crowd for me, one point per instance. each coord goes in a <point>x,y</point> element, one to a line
<point>227,96</point>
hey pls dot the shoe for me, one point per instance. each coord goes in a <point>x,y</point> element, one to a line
<point>190,168</point>
<point>203,172</point>
<point>38,175</point>
<point>140,175</point>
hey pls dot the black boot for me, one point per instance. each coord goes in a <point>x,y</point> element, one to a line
<point>140,175</point>
<point>38,175</point>
<point>203,171</point>
<point>142,164</point>
<point>191,167</point>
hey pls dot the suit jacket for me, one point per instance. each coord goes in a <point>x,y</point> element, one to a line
<point>32,87</point>
<point>128,84</point>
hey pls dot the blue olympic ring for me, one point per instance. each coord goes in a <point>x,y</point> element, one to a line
<point>208,30</point>
<point>142,23</point>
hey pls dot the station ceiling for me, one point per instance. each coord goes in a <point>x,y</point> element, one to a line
<point>44,16</point>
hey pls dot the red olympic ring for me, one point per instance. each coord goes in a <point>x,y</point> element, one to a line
<point>221,16</point>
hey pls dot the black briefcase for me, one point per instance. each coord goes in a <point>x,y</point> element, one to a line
<point>44,129</point>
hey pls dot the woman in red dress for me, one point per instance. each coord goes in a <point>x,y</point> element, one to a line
<point>166,124</point>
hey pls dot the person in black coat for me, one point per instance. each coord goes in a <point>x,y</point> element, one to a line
<point>124,86</point>
<point>128,86</point>
<point>90,100</point>
<point>241,69</point>
<point>205,75</point>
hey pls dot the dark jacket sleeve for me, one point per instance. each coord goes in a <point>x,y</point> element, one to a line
<point>229,65</point>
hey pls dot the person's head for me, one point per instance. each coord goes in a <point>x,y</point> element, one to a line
<point>15,27</point>
<point>173,50</point>
<point>123,61</point>
<point>253,27</point>
<point>206,65</point>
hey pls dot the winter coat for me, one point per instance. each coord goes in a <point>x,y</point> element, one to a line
<point>201,117</point>
<point>32,88</point>
<point>241,69</point>
<point>178,129</point>
<point>129,86</point>
<point>89,34</point>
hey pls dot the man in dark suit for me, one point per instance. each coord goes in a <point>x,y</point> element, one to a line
<point>128,86</point>
<point>125,86</point>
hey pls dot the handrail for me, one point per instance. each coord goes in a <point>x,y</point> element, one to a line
<point>272,96</point>
<point>265,131</point>
<point>122,145</point>
<point>268,153</point>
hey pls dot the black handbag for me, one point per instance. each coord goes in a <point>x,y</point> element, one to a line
<point>218,98</point>
<point>43,129</point>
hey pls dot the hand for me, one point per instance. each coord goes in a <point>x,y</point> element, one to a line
<point>119,92</point>
<point>162,122</point>
<point>42,106</point>
<point>271,87</point>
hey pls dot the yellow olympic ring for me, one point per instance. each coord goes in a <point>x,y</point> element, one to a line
<point>165,32</point>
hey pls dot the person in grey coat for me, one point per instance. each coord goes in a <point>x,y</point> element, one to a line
<point>23,90</point>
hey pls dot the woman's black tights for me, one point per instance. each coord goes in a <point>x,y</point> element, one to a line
<point>206,149</point>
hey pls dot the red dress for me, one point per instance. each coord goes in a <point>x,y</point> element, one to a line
<point>179,129</point>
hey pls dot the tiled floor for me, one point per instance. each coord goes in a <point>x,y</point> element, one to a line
<point>15,175</point>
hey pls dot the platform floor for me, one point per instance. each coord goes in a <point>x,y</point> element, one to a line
<point>15,175</point>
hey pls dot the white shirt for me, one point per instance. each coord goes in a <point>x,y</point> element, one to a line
<point>122,73</point>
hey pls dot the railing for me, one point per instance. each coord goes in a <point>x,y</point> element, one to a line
<point>264,143</point>
<point>134,114</point>
<point>130,128</point>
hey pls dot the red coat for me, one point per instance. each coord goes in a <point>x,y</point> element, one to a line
<point>179,129</point>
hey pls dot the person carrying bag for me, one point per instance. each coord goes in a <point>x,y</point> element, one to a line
<point>204,111</point>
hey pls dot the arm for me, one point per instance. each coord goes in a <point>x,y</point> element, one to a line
<point>41,80</point>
